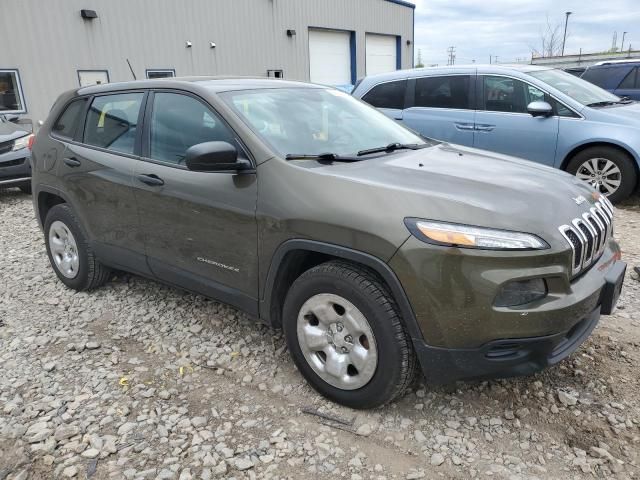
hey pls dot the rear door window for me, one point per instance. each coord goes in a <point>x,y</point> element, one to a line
<point>67,123</point>
<point>112,122</point>
<point>451,91</point>
<point>387,95</point>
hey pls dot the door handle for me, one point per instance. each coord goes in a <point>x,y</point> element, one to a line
<point>464,126</point>
<point>151,179</point>
<point>72,162</point>
<point>485,128</point>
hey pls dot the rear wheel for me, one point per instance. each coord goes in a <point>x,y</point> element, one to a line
<point>345,335</point>
<point>609,170</point>
<point>69,252</point>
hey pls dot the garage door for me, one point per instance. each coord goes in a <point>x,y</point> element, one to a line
<point>330,57</point>
<point>381,53</point>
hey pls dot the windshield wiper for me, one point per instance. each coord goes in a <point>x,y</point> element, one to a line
<point>606,103</point>
<point>328,157</point>
<point>392,147</point>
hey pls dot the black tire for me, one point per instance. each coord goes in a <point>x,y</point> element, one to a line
<point>91,273</point>
<point>628,174</point>
<point>396,363</point>
<point>26,189</point>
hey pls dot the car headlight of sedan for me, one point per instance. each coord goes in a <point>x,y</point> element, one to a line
<point>22,142</point>
<point>468,236</point>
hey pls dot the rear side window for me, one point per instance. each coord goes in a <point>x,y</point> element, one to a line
<point>443,92</point>
<point>67,123</point>
<point>112,122</point>
<point>630,81</point>
<point>387,95</point>
<point>179,122</point>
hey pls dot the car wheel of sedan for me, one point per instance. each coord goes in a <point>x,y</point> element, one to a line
<point>69,252</point>
<point>607,169</point>
<point>345,335</point>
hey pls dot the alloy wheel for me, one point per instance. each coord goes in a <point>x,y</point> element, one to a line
<point>603,174</point>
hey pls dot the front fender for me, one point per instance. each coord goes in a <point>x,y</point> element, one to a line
<point>577,134</point>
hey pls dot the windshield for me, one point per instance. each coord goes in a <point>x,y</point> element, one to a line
<point>580,90</point>
<point>314,121</point>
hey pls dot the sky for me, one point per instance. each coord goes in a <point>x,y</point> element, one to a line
<point>510,28</point>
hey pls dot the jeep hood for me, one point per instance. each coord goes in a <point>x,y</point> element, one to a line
<point>464,185</point>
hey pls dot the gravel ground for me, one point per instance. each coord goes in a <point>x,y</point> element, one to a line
<point>137,380</point>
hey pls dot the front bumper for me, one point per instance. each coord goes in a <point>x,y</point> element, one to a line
<point>15,168</point>
<point>461,335</point>
<point>517,356</point>
<point>503,358</point>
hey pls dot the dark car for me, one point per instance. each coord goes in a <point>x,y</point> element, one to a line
<point>376,250</point>
<point>15,144</point>
<point>618,77</point>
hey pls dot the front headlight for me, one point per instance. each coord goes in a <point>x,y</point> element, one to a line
<point>467,236</point>
<point>22,142</point>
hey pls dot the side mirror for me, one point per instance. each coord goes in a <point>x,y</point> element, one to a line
<point>214,157</point>
<point>540,109</point>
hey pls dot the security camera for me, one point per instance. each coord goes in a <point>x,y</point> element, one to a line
<point>188,44</point>
<point>212,44</point>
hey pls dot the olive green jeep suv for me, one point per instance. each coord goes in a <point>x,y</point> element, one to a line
<point>375,249</point>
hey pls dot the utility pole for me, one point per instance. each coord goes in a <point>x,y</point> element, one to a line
<point>566,22</point>
<point>452,55</point>
<point>624,34</point>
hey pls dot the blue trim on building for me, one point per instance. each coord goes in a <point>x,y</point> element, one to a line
<point>403,3</point>
<point>413,41</point>
<point>398,52</point>
<point>354,68</point>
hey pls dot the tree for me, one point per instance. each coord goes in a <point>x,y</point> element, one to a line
<point>419,63</point>
<point>551,38</point>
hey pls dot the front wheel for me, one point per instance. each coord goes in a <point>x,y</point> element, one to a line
<point>345,335</point>
<point>609,170</point>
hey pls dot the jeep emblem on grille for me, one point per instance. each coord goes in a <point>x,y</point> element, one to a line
<point>579,200</point>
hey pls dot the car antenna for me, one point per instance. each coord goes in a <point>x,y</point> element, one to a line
<point>131,68</point>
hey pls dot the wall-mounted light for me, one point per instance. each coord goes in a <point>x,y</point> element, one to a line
<point>212,45</point>
<point>88,14</point>
<point>291,33</point>
<point>188,44</point>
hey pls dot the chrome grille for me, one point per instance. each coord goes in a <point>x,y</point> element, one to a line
<point>587,235</point>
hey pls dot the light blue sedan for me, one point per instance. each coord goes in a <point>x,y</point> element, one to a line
<point>537,113</point>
